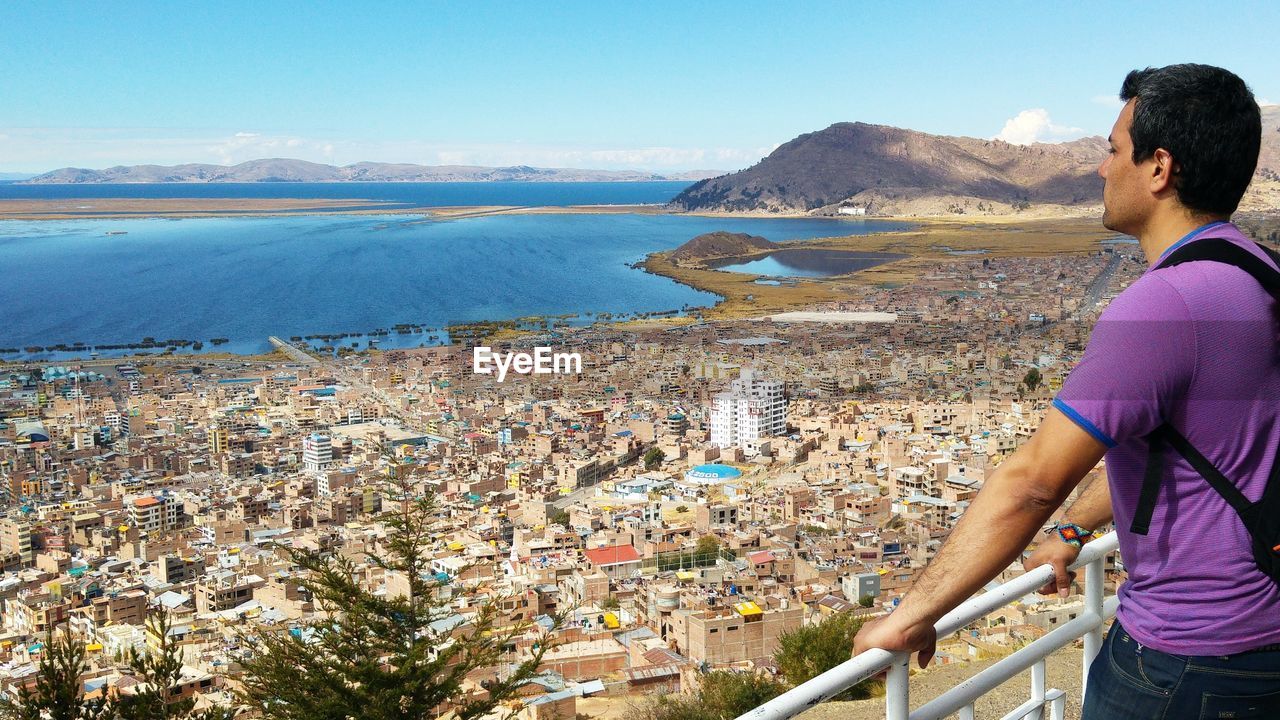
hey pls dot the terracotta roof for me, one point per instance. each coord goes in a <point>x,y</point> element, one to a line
<point>146,502</point>
<point>613,555</point>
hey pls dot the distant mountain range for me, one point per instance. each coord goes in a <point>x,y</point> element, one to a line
<point>301,171</point>
<point>848,167</point>
<point>885,170</point>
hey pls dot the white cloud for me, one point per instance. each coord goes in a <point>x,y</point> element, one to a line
<point>1034,125</point>
<point>1265,102</point>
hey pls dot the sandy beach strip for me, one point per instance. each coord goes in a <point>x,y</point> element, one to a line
<point>120,208</point>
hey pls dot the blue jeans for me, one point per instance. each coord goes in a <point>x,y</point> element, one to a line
<point>1130,682</point>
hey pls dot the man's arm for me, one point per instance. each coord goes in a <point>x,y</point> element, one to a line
<point>1091,511</point>
<point>1013,504</point>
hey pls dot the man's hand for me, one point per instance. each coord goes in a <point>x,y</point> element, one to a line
<point>1053,551</point>
<point>889,635</point>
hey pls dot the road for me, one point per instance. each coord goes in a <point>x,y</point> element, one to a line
<point>1099,286</point>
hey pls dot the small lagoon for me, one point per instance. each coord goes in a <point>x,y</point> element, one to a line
<point>806,263</point>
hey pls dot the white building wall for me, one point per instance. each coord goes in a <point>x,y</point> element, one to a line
<point>752,409</point>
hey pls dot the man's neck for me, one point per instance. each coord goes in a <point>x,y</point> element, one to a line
<point>1161,233</point>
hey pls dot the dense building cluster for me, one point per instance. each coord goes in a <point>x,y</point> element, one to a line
<point>801,469</point>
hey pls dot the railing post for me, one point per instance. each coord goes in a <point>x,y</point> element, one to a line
<point>1093,580</point>
<point>1038,689</point>
<point>1057,705</point>
<point>897,704</point>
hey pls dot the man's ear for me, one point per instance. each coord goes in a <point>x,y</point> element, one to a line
<point>1163,171</point>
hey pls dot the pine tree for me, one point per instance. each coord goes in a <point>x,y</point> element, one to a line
<point>58,693</point>
<point>383,657</point>
<point>160,674</point>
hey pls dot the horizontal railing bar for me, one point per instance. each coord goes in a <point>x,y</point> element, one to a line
<point>824,687</point>
<point>855,670</point>
<point>1025,709</point>
<point>980,684</point>
<point>1024,584</point>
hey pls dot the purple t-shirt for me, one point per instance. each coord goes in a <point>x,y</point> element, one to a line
<point>1194,344</point>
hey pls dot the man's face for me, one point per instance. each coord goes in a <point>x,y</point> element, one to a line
<point>1125,198</point>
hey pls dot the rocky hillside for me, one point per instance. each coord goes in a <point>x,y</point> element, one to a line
<point>285,170</point>
<point>873,165</point>
<point>720,244</point>
<point>891,171</point>
<point>1264,193</point>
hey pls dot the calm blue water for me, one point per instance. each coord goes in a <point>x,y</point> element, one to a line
<point>807,263</point>
<point>419,194</point>
<point>63,281</point>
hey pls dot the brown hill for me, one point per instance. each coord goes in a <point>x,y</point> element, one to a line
<point>866,165</point>
<point>720,244</point>
<point>891,171</point>
<point>1264,193</point>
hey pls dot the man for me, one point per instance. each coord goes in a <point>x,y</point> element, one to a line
<point>1193,344</point>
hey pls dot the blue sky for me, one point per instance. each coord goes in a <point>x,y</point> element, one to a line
<point>654,85</point>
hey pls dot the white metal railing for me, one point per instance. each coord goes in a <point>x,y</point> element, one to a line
<point>960,699</point>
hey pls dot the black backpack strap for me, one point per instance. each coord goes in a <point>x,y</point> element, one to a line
<point>1216,480</point>
<point>1225,251</point>
<point>1141,524</point>
<point>1166,433</point>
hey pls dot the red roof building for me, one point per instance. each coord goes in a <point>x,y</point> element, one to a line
<point>615,561</point>
<point>613,555</point>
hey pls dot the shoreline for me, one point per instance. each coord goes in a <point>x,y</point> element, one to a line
<point>145,208</point>
<point>925,242</point>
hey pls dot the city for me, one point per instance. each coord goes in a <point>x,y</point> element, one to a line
<point>692,494</point>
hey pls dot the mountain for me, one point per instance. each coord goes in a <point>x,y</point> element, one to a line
<point>721,244</point>
<point>891,171</point>
<point>284,170</point>
<point>875,166</point>
<point>1269,158</point>
<point>1264,193</point>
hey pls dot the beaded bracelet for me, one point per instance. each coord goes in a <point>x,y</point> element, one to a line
<point>1071,533</point>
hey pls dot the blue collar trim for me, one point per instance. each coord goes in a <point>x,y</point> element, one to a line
<point>1187,238</point>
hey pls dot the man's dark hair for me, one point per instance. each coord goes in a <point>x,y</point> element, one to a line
<point>1207,119</point>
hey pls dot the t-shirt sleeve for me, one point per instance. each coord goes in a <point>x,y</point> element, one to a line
<point>1139,362</point>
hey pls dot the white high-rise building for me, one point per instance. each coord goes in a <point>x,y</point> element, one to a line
<point>749,411</point>
<point>317,452</point>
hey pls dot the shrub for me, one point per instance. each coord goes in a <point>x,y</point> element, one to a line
<point>810,650</point>
<point>724,695</point>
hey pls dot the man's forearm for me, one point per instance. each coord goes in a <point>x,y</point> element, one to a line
<point>1015,502</point>
<point>991,534</point>
<point>1092,509</point>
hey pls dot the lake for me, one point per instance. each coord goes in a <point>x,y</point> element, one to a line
<point>245,278</point>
